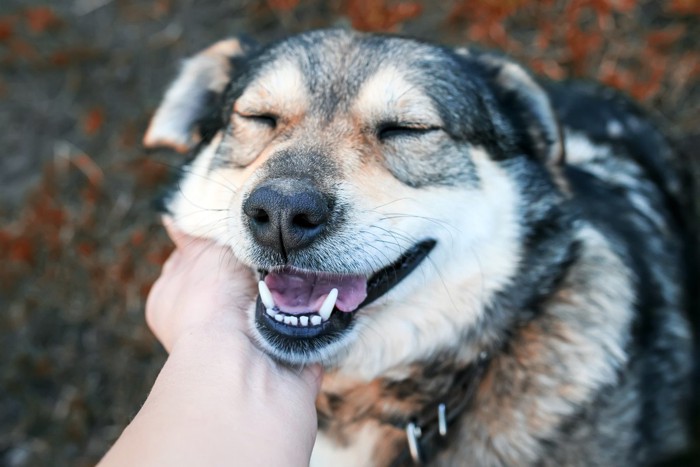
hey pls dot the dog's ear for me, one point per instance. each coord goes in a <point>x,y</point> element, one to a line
<point>525,104</point>
<point>190,100</point>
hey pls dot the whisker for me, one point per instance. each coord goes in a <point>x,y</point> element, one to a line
<point>187,169</point>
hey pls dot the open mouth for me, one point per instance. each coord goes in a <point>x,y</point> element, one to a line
<point>299,306</point>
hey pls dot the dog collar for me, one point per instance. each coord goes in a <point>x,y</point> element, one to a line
<point>427,432</point>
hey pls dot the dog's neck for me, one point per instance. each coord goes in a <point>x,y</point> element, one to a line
<point>388,404</point>
<point>414,412</point>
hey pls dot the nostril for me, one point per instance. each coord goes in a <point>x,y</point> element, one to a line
<point>260,216</point>
<point>303,221</point>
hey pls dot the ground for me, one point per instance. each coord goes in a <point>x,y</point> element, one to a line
<point>80,244</point>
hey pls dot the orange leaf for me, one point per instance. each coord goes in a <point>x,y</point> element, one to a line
<point>93,121</point>
<point>22,250</point>
<point>41,19</point>
<point>85,249</point>
<point>624,6</point>
<point>665,38</point>
<point>283,5</point>
<point>6,28</point>
<point>379,15</point>
<point>687,7</point>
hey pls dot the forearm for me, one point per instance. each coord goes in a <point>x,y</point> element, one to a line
<point>202,412</point>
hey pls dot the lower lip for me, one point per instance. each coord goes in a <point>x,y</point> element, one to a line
<point>337,322</point>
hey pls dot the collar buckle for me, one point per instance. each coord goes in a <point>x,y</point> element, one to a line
<point>442,420</point>
<point>413,434</point>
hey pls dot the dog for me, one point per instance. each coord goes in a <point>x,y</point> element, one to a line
<point>488,265</point>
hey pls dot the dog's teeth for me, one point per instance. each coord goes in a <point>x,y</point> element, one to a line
<point>304,320</point>
<point>271,312</point>
<point>294,321</point>
<point>279,317</point>
<point>316,320</point>
<point>328,304</point>
<point>288,319</point>
<point>265,295</point>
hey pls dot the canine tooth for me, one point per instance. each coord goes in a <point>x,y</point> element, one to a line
<point>316,320</point>
<point>328,304</point>
<point>271,312</point>
<point>279,317</point>
<point>265,295</point>
<point>304,320</point>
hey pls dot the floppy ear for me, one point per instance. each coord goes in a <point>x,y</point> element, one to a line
<point>526,105</point>
<point>189,99</point>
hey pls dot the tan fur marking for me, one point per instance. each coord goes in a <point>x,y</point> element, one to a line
<point>279,91</point>
<point>387,95</point>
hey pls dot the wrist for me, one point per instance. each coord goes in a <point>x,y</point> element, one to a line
<point>247,388</point>
<point>219,336</point>
<point>224,354</point>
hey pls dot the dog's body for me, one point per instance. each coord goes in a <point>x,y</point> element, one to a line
<point>438,229</point>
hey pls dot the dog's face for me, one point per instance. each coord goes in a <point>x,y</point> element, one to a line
<point>365,179</point>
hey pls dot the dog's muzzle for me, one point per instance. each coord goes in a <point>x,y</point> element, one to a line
<point>301,310</point>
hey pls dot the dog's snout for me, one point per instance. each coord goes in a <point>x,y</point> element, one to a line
<point>286,215</point>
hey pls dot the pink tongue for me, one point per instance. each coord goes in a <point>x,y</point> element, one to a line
<point>298,292</point>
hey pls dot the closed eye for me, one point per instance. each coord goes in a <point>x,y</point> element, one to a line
<point>268,120</point>
<point>392,130</point>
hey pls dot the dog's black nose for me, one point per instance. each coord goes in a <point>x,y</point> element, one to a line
<point>286,214</point>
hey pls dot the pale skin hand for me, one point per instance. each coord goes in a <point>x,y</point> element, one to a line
<point>218,400</point>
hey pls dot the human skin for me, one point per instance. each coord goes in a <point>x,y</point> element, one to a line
<point>219,400</point>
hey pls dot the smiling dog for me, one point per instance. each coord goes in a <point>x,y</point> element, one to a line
<point>488,266</point>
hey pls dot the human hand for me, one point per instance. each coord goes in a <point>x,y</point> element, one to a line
<point>201,285</point>
<point>217,390</point>
<point>205,292</point>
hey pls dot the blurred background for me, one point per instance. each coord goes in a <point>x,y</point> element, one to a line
<point>80,244</point>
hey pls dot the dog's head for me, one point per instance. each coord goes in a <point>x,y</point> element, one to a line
<point>367,179</point>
